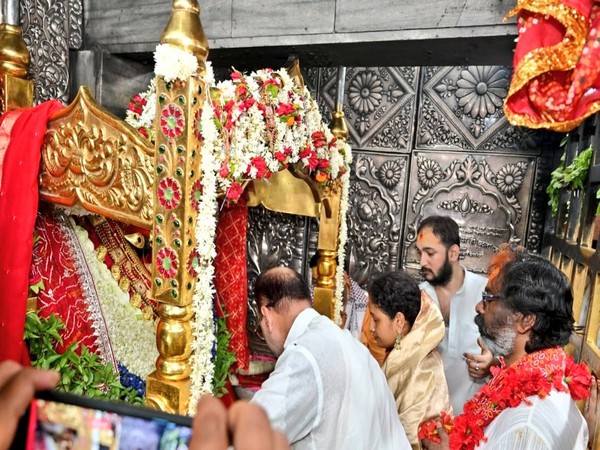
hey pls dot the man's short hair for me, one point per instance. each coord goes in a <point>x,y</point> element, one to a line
<point>276,286</point>
<point>395,292</point>
<point>533,285</point>
<point>444,227</point>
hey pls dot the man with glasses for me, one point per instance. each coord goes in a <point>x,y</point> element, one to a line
<point>326,391</point>
<point>525,318</point>
<point>456,291</point>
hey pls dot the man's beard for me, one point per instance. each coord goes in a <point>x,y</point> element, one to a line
<point>442,278</point>
<point>502,343</point>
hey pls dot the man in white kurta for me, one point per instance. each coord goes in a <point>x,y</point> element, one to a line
<point>456,291</point>
<point>326,391</point>
<point>461,336</point>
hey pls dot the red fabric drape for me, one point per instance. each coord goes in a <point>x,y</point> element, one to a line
<point>231,280</point>
<point>556,79</point>
<point>18,208</point>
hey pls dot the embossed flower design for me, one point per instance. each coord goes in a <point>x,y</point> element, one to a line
<point>429,173</point>
<point>509,179</point>
<point>193,263</point>
<point>171,120</point>
<point>169,193</point>
<point>390,173</point>
<point>196,195</point>
<point>365,92</point>
<point>367,209</point>
<point>167,262</point>
<point>198,125</point>
<point>481,90</point>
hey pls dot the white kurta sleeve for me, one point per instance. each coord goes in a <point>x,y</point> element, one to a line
<point>293,394</point>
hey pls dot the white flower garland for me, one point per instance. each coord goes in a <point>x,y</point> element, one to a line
<point>173,63</point>
<point>203,367</point>
<point>133,338</point>
<point>343,236</point>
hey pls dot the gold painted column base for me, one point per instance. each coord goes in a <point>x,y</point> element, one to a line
<point>323,301</point>
<point>16,92</point>
<point>167,395</point>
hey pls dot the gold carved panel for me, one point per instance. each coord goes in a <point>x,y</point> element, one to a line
<point>93,159</point>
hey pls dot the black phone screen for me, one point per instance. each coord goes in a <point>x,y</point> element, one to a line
<point>59,421</point>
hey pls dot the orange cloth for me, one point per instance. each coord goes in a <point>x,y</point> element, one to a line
<point>366,337</point>
<point>556,79</point>
<point>18,209</point>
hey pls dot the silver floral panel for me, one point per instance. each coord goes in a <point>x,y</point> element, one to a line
<point>488,196</point>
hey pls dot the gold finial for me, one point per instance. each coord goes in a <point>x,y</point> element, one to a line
<point>293,69</point>
<point>184,30</point>
<point>338,124</point>
<point>14,56</point>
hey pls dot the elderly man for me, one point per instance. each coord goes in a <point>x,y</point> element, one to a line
<point>326,391</point>
<point>530,401</point>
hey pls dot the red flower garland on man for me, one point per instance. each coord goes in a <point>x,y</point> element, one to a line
<point>530,398</point>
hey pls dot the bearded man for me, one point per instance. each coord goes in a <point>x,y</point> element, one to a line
<point>525,317</point>
<point>456,291</point>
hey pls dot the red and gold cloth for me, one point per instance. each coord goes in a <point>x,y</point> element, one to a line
<point>231,277</point>
<point>536,373</point>
<point>19,165</point>
<point>556,79</point>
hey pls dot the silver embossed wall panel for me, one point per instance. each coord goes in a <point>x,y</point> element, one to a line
<point>376,213</point>
<point>50,28</point>
<point>487,194</point>
<point>461,108</point>
<point>379,103</point>
<point>274,239</point>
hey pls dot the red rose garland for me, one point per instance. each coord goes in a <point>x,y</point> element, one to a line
<point>536,373</point>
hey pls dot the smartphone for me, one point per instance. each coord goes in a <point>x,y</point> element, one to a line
<point>61,421</point>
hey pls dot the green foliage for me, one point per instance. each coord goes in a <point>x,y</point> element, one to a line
<point>224,358</point>
<point>81,373</point>
<point>571,177</point>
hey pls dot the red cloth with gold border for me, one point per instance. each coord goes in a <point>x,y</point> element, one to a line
<point>556,79</point>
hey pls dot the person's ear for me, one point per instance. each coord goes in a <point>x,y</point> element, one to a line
<point>454,252</point>
<point>525,323</point>
<point>268,316</point>
<point>399,322</point>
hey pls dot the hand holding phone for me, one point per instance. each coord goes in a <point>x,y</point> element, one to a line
<point>18,385</point>
<point>243,426</point>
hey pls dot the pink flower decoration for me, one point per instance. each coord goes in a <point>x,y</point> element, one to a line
<point>167,262</point>
<point>196,195</point>
<point>169,193</point>
<point>171,120</point>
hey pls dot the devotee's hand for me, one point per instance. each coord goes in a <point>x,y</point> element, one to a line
<point>479,365</point>
<point>17,386</point>
<point>444,445</point>
<point>592,409</point>
<point>244,426</point>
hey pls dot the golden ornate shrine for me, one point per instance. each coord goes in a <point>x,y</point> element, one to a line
<point>94,160</point>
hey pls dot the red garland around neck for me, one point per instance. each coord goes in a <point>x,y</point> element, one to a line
<point>536,373</point>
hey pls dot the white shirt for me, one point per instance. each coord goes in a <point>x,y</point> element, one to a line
<point>552,423</point>
<point>461,336</point>
<point>327,391</point>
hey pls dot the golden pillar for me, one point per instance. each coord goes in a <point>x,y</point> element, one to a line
<point>329,221</point>
<point>16,91</point>
<point>176,192</point>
